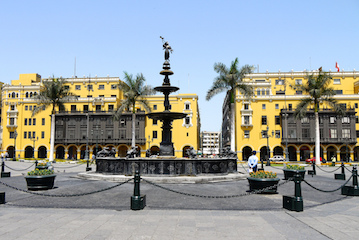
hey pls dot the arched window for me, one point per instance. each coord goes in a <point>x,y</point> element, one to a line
<point>267,91</point>
<point>258,92</point>
<point>30,94</point>
<point>263,91</point>
<point>27,95</point>
<point>13,95</point>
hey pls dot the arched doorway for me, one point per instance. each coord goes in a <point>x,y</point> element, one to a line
<point>263,154</point>
<point>304,153</point>
<point>42,152</point>
<point>72,153</point>
<point>331,151</point>
<point>246,153</point>
<point>29,152</point>
<point>278,151</point>
<point>344,154</point>
<point>122,151</point>
<point>10,151</point>
<point>184,151</point>
<point>356,154</point>
<point>60,152</point>
<point>292,153</point>
<point>83,152</point>
<point>155,150</point>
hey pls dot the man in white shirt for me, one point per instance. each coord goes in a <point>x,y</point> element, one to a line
<point>253,161</point>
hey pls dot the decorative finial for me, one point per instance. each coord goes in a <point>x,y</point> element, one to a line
<point>167,48</point>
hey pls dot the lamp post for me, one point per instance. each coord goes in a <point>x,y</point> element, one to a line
<point>268,151</point>
<point>15,135</point>
<point>34,140</point>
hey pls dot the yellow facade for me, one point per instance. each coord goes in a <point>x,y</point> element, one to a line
<point>102,95</point>
<point>269,99</point>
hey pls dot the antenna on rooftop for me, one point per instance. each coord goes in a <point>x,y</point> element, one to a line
<point>75,69</point>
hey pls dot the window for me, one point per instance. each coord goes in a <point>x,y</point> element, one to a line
<point>34,121</point>
<point>113,96</point>
<point>122,134</point>
<point>101,87</point>
<point>356,119</point>
<point>339,92</point>
<point>277,133</point>
<point>30,108</point>
<point>25,134</point>
<point>305,132</point>
<point>304,120</point>
<point>298,81</point>
<point>12,121</point>
<point>110,107</point>
<point>332,133</point>
<point>345,133</point>
<point>26,108</point>
<point>187,106</point>
<point>29,121</point>
<point>73,108</point>
<point>98,108</point>
<point>292,133</point>
<point>246,133</point>
<point>66,87</point>
<point>154,134</point>
<point>122,123</point>
<point>187,120</point>
<point>321,133</point>
<point>357,132</point>
<point>29,135</point>
<point>263,92</point>
<point>263,106</point>
<point>154,107</point>
<point>43,121</point>
<point>332,120</point>
<point>154,122</point>
<point>12,134</point>
<point>264,120</point>
<point>356,105</point>
<point>290,107</point>
<point>276,106</point>
<point>113,86</point>
<point>280,92</point>
<point>336,81</point>
<point>246,106</point>
<point>246,120</point>
<point>345,120</point>
<point>77,87</point>
<point>264,133</point>
<point>89,87</point>
<point>25,123</point>
<point>12,107</point>
<point>298,92</point>
<point>86,108</point>
<point>267,91</point>
<point>279,82</point>
<point>277,120</point>
<point>101,95</point>
<point>258,92</point>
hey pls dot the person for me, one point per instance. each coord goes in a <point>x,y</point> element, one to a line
<point>253,162</point>
<point>333,160</point>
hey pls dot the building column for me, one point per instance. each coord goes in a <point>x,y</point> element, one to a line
<point>338,155</point>
<point>298,155</point>
<point>351,155</point>
<point>78,154</point>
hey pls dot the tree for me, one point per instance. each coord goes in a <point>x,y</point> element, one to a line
<point>134,91</point>
<point>318,91</point>
<point>52,93</point>
<point>230,80</point>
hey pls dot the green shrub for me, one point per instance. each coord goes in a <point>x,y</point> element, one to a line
<point>38,172</point>
<point>263,174</point>
<point>294,167</point>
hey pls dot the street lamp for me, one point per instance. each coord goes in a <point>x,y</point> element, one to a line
<point>15,135</point>
<point>34,140</point>
<point>268,151</point>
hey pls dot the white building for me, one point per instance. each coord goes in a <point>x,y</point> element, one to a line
<point>210,142</point>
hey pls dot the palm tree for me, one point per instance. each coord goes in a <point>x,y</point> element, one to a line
<point>230,80</point>
<point>134,91</point>
<point>52,93</point>
<point>318,91</point>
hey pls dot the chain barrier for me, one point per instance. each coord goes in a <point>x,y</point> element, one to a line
<point>328,171</point>
<point>348,169</point>
<point>65,195</point>
<point>76,165</point>
<point>18,169</point>
<point>327,191</point>
<point>211,196</point>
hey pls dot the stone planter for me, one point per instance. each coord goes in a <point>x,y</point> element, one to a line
<point>261,183</point>
<point>289,173</point>
<point>41,167</point>
<point>40,182</point>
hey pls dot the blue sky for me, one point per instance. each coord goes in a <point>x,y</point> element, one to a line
<point>110,37</point>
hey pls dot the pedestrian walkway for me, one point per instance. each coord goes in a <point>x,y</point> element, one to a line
<point>168,215</point>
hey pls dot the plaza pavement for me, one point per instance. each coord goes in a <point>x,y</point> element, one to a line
<point>169,215</point>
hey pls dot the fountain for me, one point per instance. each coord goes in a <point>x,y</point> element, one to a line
<point>166,163</point>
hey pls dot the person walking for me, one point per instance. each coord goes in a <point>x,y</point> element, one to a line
<point>253,162</point>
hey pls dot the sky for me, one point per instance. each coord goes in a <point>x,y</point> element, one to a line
<point>109,37</point>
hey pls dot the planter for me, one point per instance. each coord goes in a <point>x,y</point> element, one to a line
<point>40,182</point>
<point>289,173</point>
<point>41,167</point>
<point>260,183</point>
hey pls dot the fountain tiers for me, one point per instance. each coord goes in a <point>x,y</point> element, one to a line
<point>166,166</point>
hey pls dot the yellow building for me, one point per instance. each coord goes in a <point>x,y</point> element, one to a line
<point>271,108</point>
<point>98,97</point>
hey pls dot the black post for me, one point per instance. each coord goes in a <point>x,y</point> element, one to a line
<point>15,135</point>
<point>138,201</point>
<point>352,190</point>
<point>294,203</point>
<point>87,166</point>
<point>3,173</point>
<point>340,176</point>
<point>312,172</point>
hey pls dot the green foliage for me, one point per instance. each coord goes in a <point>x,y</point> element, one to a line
<point>294,167</point>
<point>41,164</point>
<point>263,174</point>
<point>38,172</point>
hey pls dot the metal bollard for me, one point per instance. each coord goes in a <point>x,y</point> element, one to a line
<point>294,203</point>
<point>36,162</point>
<point>3,173</point>
<point>138,201</point>
<point>2,197</point>
<point>312,172</point>
<point>87,166</point>
<point>352,190</point>
<point>340,176</point>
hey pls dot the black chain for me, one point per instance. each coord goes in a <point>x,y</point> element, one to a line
<point>65,195</point>
<point>328,191</point>
<point>328,171</point>
<point>348,169</point>
<point>18,169</point>
<point>211,196</point>
<point>79,164</point>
